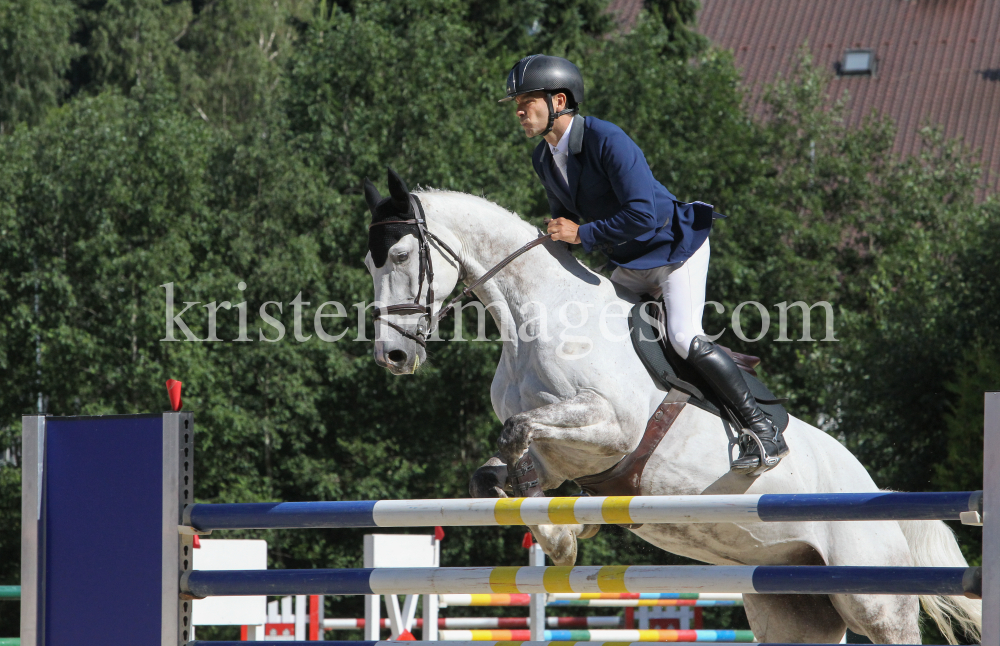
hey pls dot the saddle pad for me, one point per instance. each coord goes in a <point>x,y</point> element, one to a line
<point>667,367</point>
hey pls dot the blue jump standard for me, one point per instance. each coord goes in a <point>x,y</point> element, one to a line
<point>770,508</point>
<point>765,579</point>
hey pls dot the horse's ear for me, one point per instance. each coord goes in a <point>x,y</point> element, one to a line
<point>372,196</point>
<point>400,194</point>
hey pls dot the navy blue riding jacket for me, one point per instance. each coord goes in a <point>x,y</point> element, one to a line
<point>621,208</point>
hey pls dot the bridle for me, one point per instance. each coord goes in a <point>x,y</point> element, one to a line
<point>428,319</point>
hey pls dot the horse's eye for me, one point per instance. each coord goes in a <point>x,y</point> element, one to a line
<point>401,257</point>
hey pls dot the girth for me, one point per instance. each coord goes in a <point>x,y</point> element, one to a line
<point>625,478</point>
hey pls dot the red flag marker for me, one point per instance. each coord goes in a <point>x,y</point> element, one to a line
<point>527,541</point>
<point>197,542</point>
<point>439,533</point>
<point>174,392</point>
<point>406,636</point>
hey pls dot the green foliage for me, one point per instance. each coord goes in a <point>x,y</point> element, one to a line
<point>35,53</point>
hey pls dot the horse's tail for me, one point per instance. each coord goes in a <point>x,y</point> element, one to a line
<point>932,544</point>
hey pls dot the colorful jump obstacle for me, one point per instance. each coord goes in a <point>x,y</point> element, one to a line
<point>486,623</point>
<point>766,508</point>
<point>133,476</point>
<point>716,636</point>
<point>642,603</point>
<point>600,599</point>
<point>646,599</point>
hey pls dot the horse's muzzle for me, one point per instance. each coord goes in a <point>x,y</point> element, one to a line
<point>397,360</point>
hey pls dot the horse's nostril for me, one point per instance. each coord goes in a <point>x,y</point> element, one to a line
<point>397,356</point>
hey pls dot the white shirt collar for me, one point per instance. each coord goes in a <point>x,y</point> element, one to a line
<point>563,145</point>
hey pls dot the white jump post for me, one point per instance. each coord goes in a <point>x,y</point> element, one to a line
<point>536,611</point>
<point>400,550</point>
<point>991,519</point>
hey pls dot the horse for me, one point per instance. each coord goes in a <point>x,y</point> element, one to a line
<point>573,395</point>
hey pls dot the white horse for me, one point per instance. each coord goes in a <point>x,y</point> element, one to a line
<point>577,397</point>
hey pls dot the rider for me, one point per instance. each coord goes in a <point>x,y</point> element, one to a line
<point>594,173</point>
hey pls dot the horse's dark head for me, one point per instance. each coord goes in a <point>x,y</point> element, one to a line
<point>396,206</point>
<point>402,263</point>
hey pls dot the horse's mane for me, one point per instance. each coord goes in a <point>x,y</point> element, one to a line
<point>498,209</point>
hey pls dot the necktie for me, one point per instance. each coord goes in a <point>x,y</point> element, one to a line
<point>560,158</point>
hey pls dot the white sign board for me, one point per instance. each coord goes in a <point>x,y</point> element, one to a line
<point>230,611</point>
<point>400,550</point>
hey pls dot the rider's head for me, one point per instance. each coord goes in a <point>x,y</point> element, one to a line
<point>546,88</point>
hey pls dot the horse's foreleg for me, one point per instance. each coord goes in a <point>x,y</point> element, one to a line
<point>558,541</point>
<point>585,423</point>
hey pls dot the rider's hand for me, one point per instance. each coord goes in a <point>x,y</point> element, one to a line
<point>565,230</point>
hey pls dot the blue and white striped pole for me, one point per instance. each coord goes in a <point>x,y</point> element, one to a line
<point>636,578</point>
<point>746,508</point>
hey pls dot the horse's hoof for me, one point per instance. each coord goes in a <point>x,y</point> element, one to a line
<point>589,531</point>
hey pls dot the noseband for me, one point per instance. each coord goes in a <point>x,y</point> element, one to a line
<point>426,268</point>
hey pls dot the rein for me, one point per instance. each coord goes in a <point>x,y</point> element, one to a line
<point>426,267</point>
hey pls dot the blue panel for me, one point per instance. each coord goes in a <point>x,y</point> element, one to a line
<point>216,583</point>
<point>863,506</point>
<point>284,515</point>
<point>810,579</point>
<point>103,530</point>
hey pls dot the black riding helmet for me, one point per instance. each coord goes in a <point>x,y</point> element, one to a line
<point>549,74</point>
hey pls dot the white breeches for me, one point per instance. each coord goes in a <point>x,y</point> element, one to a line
<point>683,289</point>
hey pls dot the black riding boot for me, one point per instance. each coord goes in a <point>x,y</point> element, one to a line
<point>759,433</point>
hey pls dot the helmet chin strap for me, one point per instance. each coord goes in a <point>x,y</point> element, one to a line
<point>553,115</point>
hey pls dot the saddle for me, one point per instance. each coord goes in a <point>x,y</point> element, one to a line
<point>647,321</point>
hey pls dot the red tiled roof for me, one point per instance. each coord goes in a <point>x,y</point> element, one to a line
<point>938,61</point>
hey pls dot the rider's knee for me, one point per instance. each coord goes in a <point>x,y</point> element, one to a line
<point>681,337</point>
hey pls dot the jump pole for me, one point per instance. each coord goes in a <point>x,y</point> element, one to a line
<point>601,599</point>
<point>717,636</point>
<point>760,579</point>
<point>467,512</point>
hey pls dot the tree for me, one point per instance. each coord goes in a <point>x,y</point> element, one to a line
<point>35,53</point>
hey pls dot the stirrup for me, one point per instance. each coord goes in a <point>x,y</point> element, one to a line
<point>769,461</point>
<point>740,438</point>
